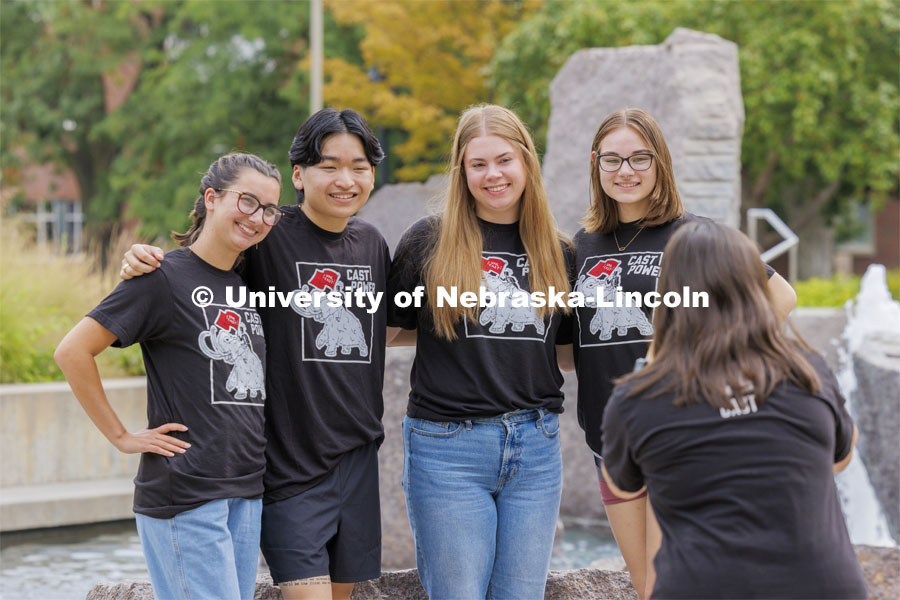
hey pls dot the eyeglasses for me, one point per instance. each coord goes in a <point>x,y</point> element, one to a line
<point>613,162</point>
<point>249,204</point>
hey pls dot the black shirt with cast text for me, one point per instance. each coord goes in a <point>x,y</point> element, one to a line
<point>206,370</point>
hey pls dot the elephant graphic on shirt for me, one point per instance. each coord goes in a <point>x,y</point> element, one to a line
<point>500,317</point>
<point>341,329</point>
<point>232,345</point>
<point>609,318</point>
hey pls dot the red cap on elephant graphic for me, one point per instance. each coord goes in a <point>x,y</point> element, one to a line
<point>493,265</point>
<point>604,267</point>
<point>323,278</point>
<point>228,319</point>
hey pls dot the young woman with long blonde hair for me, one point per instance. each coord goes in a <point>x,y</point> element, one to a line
<point>483,470</point>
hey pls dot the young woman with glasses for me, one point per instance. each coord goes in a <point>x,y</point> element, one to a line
<point>736,431</point>
<point>483,470</point>
<point>635,208</point>
<point>200,482</point>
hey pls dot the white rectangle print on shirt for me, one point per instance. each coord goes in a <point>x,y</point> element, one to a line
<point>335,333</point>
<point>507,273</point>
<point>603,274</point>
<point>229,338</point>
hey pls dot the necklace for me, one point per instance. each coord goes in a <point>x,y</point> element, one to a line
<point>622,248</point>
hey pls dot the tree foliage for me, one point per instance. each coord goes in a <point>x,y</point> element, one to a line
<point>819,81</point>
<point>422,63</point>
<point>209,81</point>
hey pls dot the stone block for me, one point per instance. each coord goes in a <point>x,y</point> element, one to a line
<point>58,504</point>
<point>707,168</point>
<point>41,424</point>
<point>704,147</point>
<point>396,206</point>
<point>697,190</point>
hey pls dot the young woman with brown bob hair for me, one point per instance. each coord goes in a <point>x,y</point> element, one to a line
<point>635,209</point>
<point>736,431</point>
<point>483,469</point>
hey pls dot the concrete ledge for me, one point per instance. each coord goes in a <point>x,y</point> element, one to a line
<point>52,387</point>
<point>57,504</point>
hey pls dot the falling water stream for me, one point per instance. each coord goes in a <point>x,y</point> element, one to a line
<point>874,314</point>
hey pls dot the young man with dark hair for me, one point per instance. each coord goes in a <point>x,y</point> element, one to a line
<point>321,522</point>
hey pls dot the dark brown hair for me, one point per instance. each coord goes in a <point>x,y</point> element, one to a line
<point>736,343</point>
<point>306,148</point>
<point>221,174</point>
<point>665,203</point>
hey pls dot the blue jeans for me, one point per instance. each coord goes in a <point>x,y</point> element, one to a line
<point>211,551</point>
<point>483,501</point>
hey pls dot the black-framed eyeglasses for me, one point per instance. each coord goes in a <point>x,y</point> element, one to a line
<point>249,204</point>
<point>611,163</point>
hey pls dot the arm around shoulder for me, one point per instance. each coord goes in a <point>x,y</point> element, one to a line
<point>140,259</point>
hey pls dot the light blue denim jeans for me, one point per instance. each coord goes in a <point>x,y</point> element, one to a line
<point>483,501</point>
<point>209,552</point>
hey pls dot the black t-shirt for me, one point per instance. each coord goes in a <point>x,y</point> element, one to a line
<point>326,365</point>
<point>504,362</point>
<point>607,340</point>
<point>745,498</point>
<point>205,370</point>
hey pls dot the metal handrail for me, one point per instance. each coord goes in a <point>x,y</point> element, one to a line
<point>789,244</point>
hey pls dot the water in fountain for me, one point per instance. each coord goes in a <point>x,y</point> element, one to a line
<point>874,314</point>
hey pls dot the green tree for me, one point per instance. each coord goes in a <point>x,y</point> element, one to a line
<point>819,81</point>
<point>53,57</point>
<point>207,78</point>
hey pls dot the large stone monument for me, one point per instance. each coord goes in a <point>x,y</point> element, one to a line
<point>690,83</point>
<point>396,206</point>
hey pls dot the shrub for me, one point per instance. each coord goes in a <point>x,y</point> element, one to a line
<point>836,290</point>
<point>42,296</point>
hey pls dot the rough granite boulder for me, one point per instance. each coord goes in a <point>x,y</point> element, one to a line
<point>690,83</point>
<point>877,400</point>
<point>404,585</point>
<point>880,565</point>
<point>396,206</point>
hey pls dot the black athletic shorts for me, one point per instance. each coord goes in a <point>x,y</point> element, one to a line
<point>333,528</point>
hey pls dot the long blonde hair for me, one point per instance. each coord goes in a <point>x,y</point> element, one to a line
<point>665,203</point>
<point>456,259</point>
